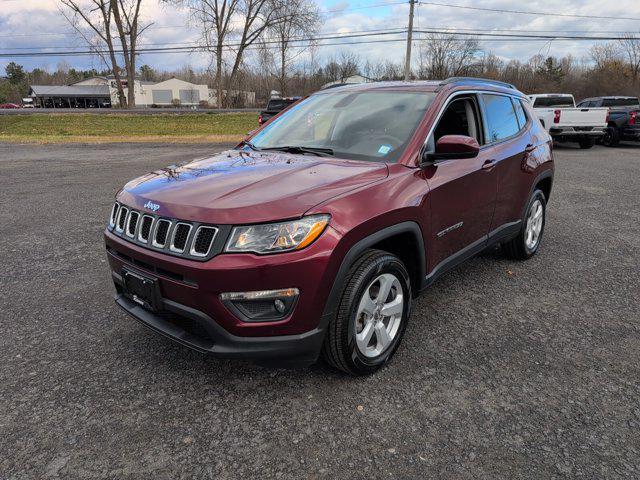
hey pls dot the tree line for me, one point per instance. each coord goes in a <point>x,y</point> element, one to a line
<point>611,68</point>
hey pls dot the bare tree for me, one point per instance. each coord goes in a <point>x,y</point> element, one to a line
<point>256,16</point>
<point>631,48</point>
<point>348,65</point>
<point>441,56</point>
<point>605,54</point>
<point>126,15</point>
<point>97,16</point>
<point>296,18</point>
<point>243,21</point>
<point>215,17</point>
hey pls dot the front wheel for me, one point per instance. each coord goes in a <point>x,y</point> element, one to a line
<point>372,315</point>
<point>526,244</point>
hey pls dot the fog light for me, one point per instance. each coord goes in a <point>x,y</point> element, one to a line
<point>261,305</point>
<point>280,306</point>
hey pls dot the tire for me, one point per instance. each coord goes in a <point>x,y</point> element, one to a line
<point>347,346</point>
<point>611,137</point>
<point>586,143</point>
<point>521,247</point>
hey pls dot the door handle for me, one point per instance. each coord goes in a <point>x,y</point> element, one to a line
<point>529,148</point>
<point>489,164</point>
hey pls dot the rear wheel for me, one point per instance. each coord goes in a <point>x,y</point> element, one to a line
<point>526,244</point>
<point>611,137</point>
<point>372,315</point>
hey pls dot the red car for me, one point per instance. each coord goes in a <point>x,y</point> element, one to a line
<point>314,235</point>
<point>9,105</point>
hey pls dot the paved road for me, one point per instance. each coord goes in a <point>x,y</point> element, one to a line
<point>508,370</point>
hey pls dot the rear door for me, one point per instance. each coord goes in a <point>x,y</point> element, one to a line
<point>508,133</point>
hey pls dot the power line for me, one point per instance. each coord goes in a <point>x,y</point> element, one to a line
<point>342,34</point>
<point>523,12</point>
<point>195,48</point>
<point>527,36</point>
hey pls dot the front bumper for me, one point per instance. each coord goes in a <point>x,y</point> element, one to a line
<point>198,331</point>
<point>192,313</point>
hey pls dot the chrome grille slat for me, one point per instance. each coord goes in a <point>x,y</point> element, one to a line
<point>203,241</point>
<point>122,217</point>
<point>146,227</point>
<point>180,237</point>
<point>132,223</point>
<point>114,214</point>
<point>161,232</point>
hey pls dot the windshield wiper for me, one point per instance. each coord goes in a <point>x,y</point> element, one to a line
<point>249,144</point>
<point>321,152</point>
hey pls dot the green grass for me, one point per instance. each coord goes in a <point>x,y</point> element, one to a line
<point>62,128</point>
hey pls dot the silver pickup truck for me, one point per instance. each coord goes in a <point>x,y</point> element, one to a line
<point>566,123</point>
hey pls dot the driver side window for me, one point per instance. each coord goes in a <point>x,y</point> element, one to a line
<point>460,118</point>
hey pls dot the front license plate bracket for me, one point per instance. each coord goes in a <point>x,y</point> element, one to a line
<point>141,289</point>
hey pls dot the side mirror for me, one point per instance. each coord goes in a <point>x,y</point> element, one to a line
<point>452,147</point>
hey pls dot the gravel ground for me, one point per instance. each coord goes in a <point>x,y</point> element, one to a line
<point>507,370</point>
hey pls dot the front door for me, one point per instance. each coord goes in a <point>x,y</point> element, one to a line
<point>462,191</point>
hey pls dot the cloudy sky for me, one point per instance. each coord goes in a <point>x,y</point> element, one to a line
<point>38,25</point>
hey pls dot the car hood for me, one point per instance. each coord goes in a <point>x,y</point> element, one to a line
<point>238,187</point>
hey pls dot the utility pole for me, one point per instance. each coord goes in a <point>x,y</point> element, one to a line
<point>407,58</point>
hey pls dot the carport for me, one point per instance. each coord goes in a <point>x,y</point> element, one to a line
<point>71,96</point>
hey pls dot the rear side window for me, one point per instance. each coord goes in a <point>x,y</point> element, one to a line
<point>557,101</point>
<point>278,104</point>
<point>520,113</point>
<point>500,116</point>
<point>620,102</point>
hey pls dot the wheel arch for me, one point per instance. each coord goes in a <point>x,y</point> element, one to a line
<point>404,240</point>
<point>545,183</point>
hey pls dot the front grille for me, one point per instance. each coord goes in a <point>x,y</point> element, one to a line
<point>132,223</point>
<point>162,231</point>
<point>172,236</point>
<point>145,228</point>
<point>203,241</point>
<point>180,237</point>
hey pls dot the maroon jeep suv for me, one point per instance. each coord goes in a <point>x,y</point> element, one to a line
<point>315,234</point>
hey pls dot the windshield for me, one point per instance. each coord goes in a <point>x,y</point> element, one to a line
<point>554,102</point>
<point>374,126</point>
<point>620,102</point>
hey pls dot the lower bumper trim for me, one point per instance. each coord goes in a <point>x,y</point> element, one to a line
<point>302,349</point>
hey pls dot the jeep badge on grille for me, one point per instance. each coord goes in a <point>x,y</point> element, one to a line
<point>154,207</point>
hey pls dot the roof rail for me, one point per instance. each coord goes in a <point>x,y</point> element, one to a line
<point>477,80</point>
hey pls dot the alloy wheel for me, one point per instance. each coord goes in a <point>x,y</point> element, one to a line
<point>535,219</point>
<point>379,315</point>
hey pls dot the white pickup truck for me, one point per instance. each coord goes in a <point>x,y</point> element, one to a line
<point>566,123</point>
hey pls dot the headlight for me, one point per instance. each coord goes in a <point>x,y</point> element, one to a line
<point>277,237</point>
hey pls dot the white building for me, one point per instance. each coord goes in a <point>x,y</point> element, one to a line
<point>172,92</point>
<point>98,92</point>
